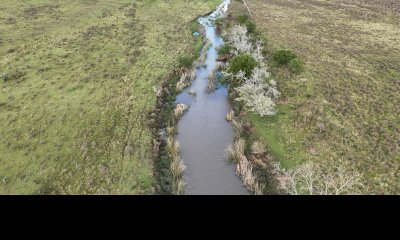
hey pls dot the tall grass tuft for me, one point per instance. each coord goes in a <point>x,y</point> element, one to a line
<point>212,80</point>
<point>178,187</point>
<point>220,66</point>
<point>245,170</point>
<point>192,92</point>
<point>201,62</point>
<point>185,80</point>
<point>236,151</point>
<point>171,131</point>
<point>191,75</point>
<point>230,116</point>
<point>173,147</point>
<point>177,167</point>
<point>258,148</point>
<point>237,127</point>
<point>179,110</point>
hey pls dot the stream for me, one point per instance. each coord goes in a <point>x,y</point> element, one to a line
<point>203,132</point>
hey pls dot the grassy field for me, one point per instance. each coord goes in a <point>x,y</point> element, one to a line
<point>77,80</point>
<point>344,109</point>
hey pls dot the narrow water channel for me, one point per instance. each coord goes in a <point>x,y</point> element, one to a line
<point>203,132</point>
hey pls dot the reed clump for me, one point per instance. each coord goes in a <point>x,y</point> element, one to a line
<point>179,110</point>
<point>236,150</point>
<point>192,92</point>
<point>230,116</point>
<point>212,81</point>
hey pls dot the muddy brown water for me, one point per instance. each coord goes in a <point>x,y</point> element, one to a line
<point>203,132</point>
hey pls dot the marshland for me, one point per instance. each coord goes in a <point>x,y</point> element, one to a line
<point>200,97</point>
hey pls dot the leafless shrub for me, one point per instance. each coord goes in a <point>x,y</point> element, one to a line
<point>312,179</point>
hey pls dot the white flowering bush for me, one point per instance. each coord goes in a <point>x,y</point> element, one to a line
<point>257,93</point>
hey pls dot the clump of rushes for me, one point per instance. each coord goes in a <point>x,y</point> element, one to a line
<point>179,110</point>
<point>237,127</point>
<point>230,116</point>
<point>207,45</point>
<point>173,147</point>
<point>181,84</point>
<point>212,80</point>
<point>236,151</point>
<point>192,75</point>
<point>258,148</point>
<point>186,78</point>
<point>192,92</point>
<point>201,62</point>
<point>245,170</point>
<point>220,66</point>
<point>176,166</point>
<point>171,131</point>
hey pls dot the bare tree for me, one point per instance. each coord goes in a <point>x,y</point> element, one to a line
<point>312,179</point>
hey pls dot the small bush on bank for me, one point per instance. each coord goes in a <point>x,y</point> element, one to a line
<point>283,57</point>
<point>185,61</point>
<point>226,49</point>
<point>296,65</point>
<point>242,62</point>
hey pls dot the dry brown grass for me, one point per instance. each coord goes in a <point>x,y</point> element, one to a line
<point>230,116</point>
<point>236,151</point>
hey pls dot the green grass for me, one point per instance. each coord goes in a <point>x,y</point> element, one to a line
<point>80,78</point>
<point>344,106</point>
<point>285,150</point>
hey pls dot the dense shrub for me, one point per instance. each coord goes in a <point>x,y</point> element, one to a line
<point>242,19</point>
<point>186,61</point>
<point>242,62</point>
<point>283,57</point>
<point>296,65</point>
<point>251,26</point>
<point>225,49</point>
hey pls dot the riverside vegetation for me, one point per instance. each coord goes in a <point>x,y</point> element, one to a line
<point>87,92</point>
<point>336,129</point>
<point>78,79</point>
